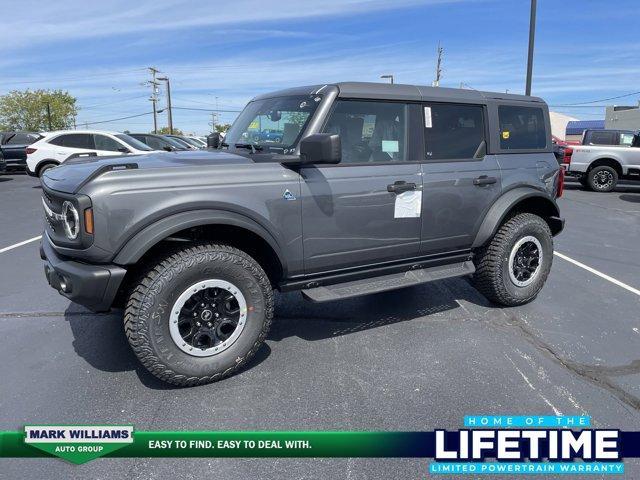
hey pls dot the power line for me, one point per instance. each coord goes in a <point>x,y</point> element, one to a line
<point>202,103</point>
<point>78,77</point>
<point>206,109</point>
<point>116,119</point>
<point>601,100</point>
<point>578,106</point>
<point>112,102</point>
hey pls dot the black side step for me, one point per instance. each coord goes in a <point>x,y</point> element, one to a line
<point>384,283</point>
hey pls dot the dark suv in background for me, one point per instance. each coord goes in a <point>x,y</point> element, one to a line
<point>366,188</point>
<point>13,148</point>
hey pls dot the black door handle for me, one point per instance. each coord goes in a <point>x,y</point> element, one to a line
<point>400,186</point>
<point>484,180</point>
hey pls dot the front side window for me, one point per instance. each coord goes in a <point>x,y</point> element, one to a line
<point>369,131</point>
<point>106,143</point>
<point>133,142</point>
<point>74,140</point>
<point>522,128</point>
<point>273,124</point>
<point>454,131</point>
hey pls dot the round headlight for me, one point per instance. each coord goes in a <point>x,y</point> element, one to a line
<point>71,221</point>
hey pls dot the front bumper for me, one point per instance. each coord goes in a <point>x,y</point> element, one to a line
<point>93,286</point>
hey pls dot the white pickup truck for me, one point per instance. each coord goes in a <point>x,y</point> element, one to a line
<point>599,167</point>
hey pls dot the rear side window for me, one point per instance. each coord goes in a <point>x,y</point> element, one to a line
<point>454,131</point>
<point>521,128</point>
<point>74,140</point>
<point>601,138</point>
<point>626,139</point>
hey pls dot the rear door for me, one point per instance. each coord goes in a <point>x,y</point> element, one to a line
<point>363,211</point>
<point>71,145</point>
<point>460,181</point>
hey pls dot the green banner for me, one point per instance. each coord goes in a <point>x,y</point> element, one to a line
<point>208,444</point>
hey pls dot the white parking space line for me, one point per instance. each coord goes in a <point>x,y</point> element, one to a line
<point>16,245</point>
<point>599,274</point>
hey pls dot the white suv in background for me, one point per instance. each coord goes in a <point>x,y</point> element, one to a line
<point>57,147</point>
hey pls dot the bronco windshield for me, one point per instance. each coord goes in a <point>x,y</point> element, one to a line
<point>272,124</point>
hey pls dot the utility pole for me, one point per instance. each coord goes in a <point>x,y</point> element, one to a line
<point>169,114</point>
<point>436,82</point>
<point>390,77</point>
<point>154,97</point>
<point>49,115</point>
<point>213,121</point>
<point>532,34</point>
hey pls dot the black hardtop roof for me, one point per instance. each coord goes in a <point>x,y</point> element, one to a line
<point>372,90</point>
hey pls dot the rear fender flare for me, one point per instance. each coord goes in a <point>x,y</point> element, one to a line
<point>505,203</point>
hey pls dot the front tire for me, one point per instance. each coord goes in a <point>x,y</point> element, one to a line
<point>512,269</point>
<point>602,178</point>
<point>199,314</point>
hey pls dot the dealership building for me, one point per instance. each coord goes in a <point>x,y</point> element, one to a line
<point>619,117</point>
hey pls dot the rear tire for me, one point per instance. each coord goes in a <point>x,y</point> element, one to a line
<point>602,178</point>
<point>230,299</point>
<point>512,269</point>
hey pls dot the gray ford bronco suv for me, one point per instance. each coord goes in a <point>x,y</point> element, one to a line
<point>336,190</point>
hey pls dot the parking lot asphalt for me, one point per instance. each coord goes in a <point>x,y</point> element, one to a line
<point>413,359</point>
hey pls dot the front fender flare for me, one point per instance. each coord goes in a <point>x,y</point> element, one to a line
<point>505,203</point>
<point>149,236</point>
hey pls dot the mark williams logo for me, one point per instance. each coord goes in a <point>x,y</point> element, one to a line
<point>527,450</point>
<point>78,444</point>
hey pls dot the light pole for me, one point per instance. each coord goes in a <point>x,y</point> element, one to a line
<point>532,34</point>
<point>390,77</point>
<point>169,113</point>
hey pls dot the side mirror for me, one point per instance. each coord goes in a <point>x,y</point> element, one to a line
<point>320,148</point>
<point>213,140</point>
<point>124,150</point>
<point>168,148</point>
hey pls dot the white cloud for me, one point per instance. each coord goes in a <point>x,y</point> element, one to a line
<point>66,20</point>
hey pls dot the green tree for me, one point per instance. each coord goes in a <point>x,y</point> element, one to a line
<point>27,110</point>
<point>222,128</point>
<point>165,131</point>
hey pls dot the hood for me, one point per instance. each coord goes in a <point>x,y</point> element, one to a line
<point>73,174</point>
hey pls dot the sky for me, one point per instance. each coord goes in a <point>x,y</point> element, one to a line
<point>218,55</point>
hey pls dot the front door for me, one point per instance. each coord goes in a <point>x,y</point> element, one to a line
<point>460,181</point>
<point>367,209</point>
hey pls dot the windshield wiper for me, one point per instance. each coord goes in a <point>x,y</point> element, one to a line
<point>252,146</point>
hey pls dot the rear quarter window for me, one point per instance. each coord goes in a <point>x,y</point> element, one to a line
<point>522,128</point>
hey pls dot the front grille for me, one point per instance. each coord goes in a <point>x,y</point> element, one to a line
<point>47,197</point>
<point>55,205</point>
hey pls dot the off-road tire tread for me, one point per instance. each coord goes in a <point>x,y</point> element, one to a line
<point>136,328</point>
<point>488,275</point>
